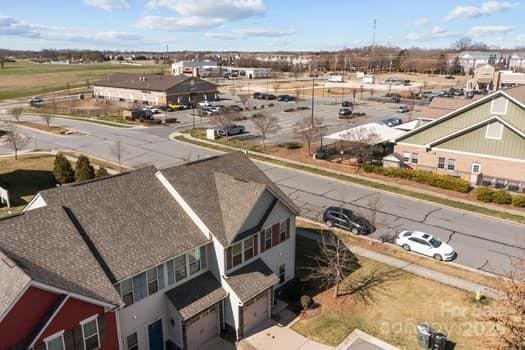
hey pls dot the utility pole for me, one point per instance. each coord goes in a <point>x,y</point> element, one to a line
<point>313,93</point>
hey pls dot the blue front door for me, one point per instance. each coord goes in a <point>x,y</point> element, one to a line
<point>156,340</point>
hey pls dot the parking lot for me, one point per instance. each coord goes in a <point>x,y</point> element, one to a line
<point>325,109</point>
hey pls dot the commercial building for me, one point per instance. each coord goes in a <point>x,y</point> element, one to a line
<point>192,68</point>
<point>486,77</point>
<point>154,89</point>
<point>483,141</point>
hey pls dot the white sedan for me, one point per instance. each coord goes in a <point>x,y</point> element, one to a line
<point>425,244</point>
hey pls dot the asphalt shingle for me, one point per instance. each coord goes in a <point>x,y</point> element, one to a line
<point>252,279</point>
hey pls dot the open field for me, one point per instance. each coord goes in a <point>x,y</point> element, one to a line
<point>393,309</point>
<point>23,78</point>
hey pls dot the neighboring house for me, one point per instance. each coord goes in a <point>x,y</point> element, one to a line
<point>440,106</point>
<point>483,141</point>
<point>154,89</point>
<point>54,295</point>
<point>191,251</point>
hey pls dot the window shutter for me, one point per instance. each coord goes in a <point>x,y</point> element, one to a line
<point>262,235</point>
<point>69,342</point>
<point>102,331</point>
<point>229,258</point>
<point>77,338</point>
<point>275,234</point>
<point>287,228</point>
<point>255,245</point>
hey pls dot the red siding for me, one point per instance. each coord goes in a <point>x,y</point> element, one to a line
<point>75,311</point>
<point>24,316</point>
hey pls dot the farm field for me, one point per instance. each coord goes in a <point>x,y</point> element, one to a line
<point>25,79</point>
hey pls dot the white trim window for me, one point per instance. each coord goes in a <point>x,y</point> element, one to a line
<point>441,163</point>
<point>451,164</point>
<point>90,333</point>
<point>237,254</point>
<point>494,131</point>
<point>132,342</point>
<point>406,157</point>
<point>55,341</point>
<point>268,238</point>
<point>282,273</point>
<point>499,106</point>
<point>248,248</point>
<point>282,231</point>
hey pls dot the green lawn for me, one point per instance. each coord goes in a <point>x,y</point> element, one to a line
<point>24,177</point>
<point>22,78</point>
<point>396,307</point>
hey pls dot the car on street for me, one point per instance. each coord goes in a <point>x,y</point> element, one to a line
<point>345,111</point>
<point>176,106</point>
<point>235,108</point>
<point>346,219</point>
<point>426,244</point>
<point>35,100</point>
<point>450,77</point>
<point>347,104</point>
<point>269,97</point>
<point>391,122</point>
<point>205,112</point>
<point>204,103</point>
<point>403,109</point>
<point>258,95</point>
<point>230,130</point>
<point>285,98</point>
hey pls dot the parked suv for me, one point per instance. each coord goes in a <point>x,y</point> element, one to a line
<point>403,109</point>
<point>347,104</point>
<point>346,219</point>
<point>285,98</point>
<point>391,122</point>
<point>345,111</point>
<point>232,129</point>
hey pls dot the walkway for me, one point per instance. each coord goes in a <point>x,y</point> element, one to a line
<point>412,268</point>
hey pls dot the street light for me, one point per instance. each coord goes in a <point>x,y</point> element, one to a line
<point>313,93</point>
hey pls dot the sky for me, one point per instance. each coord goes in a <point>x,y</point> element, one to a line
<point>255,25</point>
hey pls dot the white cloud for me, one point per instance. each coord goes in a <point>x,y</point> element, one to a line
<point>438,30</point>
<point>13,26</point>
<point>250,32</point>
<point>486,9</point>
<point>421,22</point>
<point>108,5</point>
<point>478,31</point>
<point>195,15</point>
<point>414,36</point>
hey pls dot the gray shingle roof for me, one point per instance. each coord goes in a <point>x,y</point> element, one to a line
<point>222,191</point>
<point>252,279</point>
<point>12,281</point>
<point>47,247</point>
<point>196,295</point>
<point>154,82</point>
<point>132,220</point>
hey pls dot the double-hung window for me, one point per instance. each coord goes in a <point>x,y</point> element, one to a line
<point>194,260</point>
<point>268,238</point>
<point>180,268</point>
<point>406,157</point>
<point>248,248</point>
<point>282,231</point>
<point>55,342</point>
<point>90,334</point>
<point>140,287</point>
<point>153,285</point>
<point>126,291</point>
<point>451,165</point>
<point>237,254</point>
<point>441,163</point>
<point>415,157</point>
<point>132,342</point>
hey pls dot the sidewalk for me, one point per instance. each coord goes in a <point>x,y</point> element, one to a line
<point>413,268</point>
<point>370,180</point>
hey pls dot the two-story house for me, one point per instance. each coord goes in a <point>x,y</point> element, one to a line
<point>192,251</point>
<point>482,141</point>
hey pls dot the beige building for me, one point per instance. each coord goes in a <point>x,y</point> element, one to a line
<point>487,78</point>
<point>483,141</point>
<point>154,89</point>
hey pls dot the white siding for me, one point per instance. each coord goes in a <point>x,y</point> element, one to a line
<point>36,202</point>
<point>175,331</point>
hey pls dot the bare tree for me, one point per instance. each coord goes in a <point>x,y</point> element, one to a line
<point>508,315</point>
<point>297,93</point>
<point>14,140</point>
<point>266,124</point>
<point>276,86</point>
<point>47,120</point>
<point>117,150</point>
<point>16,112</point>
<point>224,118</point>
<point>244,98</point>
<point>333,264</point>
<point>309,130</point>
<point>361,143</point>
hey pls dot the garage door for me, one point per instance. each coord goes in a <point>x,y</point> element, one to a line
<point>255,311</point>
<point>202,328</point>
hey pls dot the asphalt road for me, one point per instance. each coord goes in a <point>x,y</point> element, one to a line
<point>481,242</point>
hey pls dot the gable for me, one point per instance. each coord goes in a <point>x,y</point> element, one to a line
<point>487,140</point>
<point>499,106</point>
<point>198,85</point>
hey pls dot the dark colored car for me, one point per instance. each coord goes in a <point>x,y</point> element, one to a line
<point>395,99</point>
<point>403,109</point>
<point>285,98</point>
<point>258,95</point>
<point>450,77</point>
<point>269,97</point>
<point>391,122</point>
<point>230,130</point>
<point>347,104</point>
<point>469,94</point>
<point>346,219</point>
<point>345,111</point>
<point>236,108</point>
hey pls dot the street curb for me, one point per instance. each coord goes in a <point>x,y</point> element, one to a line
<point>85,120</point>
<point>262,155</point>
<point>49,132</point>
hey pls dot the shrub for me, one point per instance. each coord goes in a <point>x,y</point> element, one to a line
<point>502,197</point>
<point>290,110</point>
<point>271,105</point>
<point>302,108</point>
<point>83,169</point>
<point>62,170</point>
<point>306,301</point>
<point>519,201</point>
<point>484,194</point>
<point>293,145</point>
<point>101,172</point>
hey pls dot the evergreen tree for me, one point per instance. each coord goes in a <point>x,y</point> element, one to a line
<point>62,170</point>
<point>83,169</point>
<point>101,172</point>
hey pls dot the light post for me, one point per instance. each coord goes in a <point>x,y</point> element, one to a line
<point>313,93</point>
